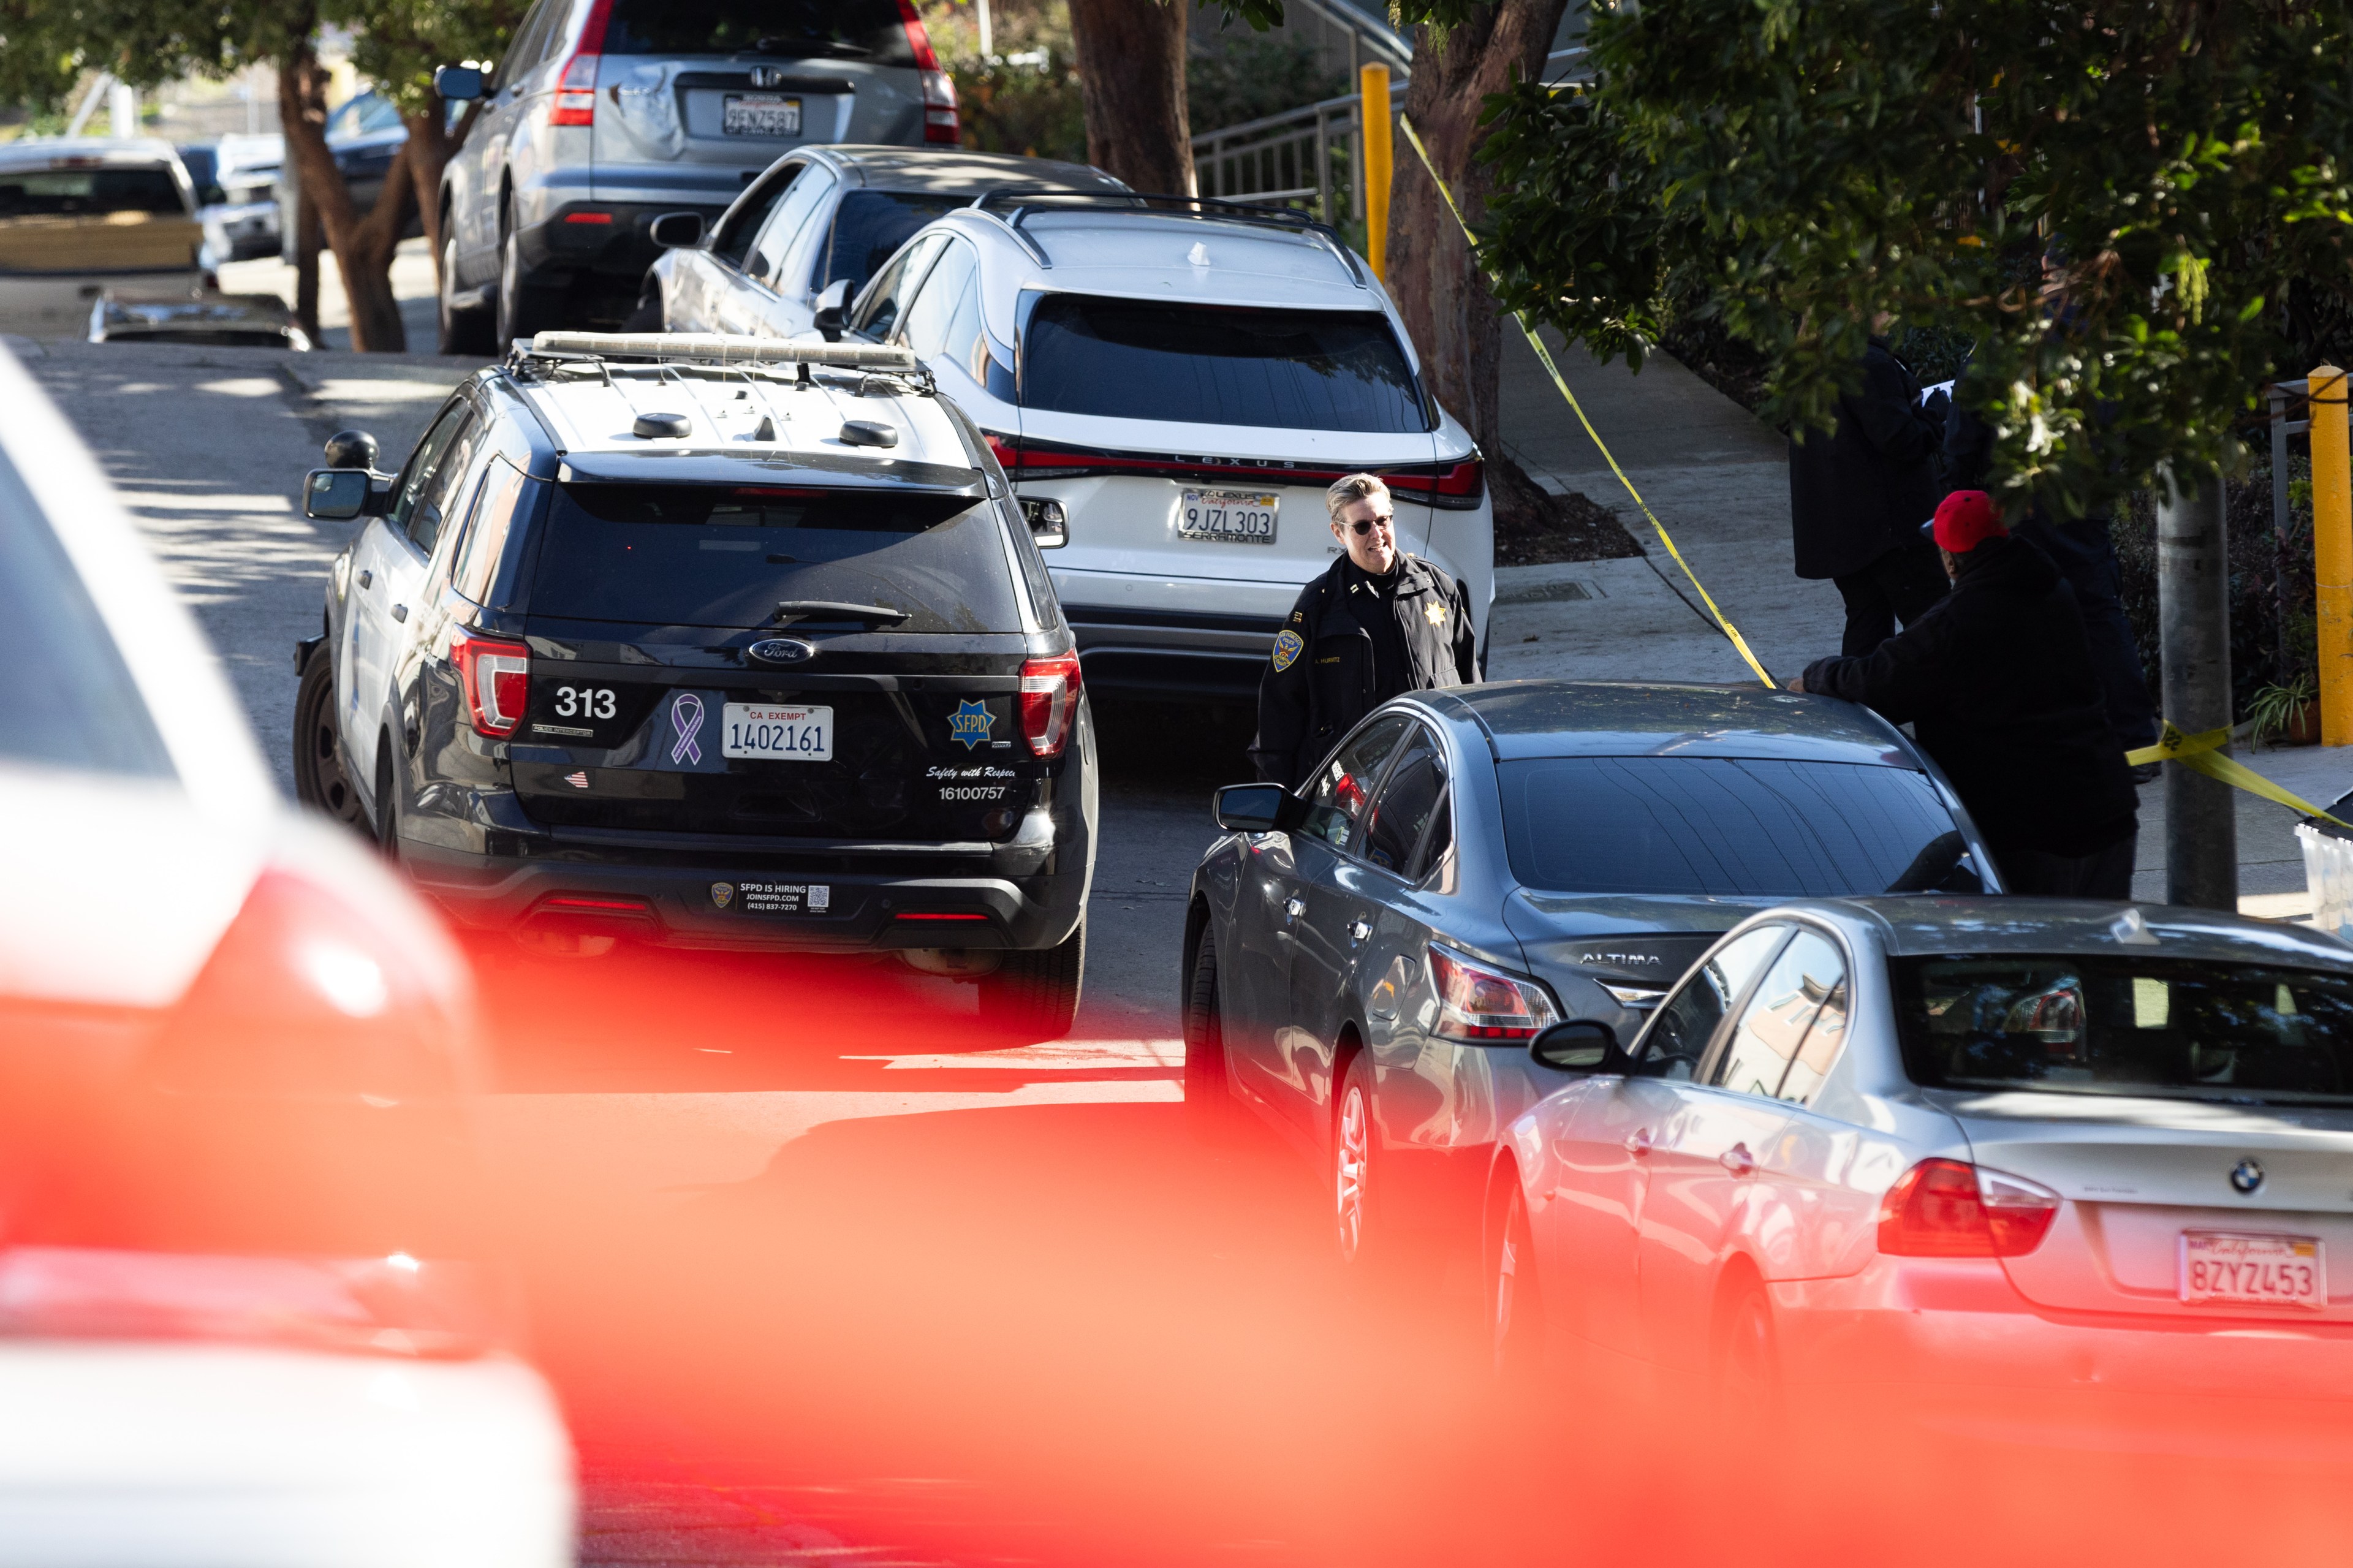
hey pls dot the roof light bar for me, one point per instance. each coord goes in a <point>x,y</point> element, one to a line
<point>724,348</point>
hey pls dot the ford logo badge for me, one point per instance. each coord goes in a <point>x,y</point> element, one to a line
<point>783,650</point>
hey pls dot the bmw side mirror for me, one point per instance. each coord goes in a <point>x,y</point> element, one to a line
<point>677,231</point>
<point>1581,1045</point>
<point>1259,809</point>
<point>336,494</point>
<point>457,84</point>
<point>833,310</point>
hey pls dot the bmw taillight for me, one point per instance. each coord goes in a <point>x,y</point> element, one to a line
<point>1947,1208</point>
<point>939,92</point>
<point>1477,1003</point>
<point>576,91</point>
<point>1049,702</point>
<point>496,674</point>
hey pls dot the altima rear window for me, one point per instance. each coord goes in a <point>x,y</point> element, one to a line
<point>726,556</point>
<point>1737,826</point>
<point>1214,364</point>
<point>785,29</point>
<point>2076,1023</point>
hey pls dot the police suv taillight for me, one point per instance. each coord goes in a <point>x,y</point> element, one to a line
<point>497,676</point>
<point>1477,1003</point>
<point>1049,702</point>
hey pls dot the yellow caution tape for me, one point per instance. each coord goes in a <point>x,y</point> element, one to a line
<point>1544,355</point>
<point>2203,753</point>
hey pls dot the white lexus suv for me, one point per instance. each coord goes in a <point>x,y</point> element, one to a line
<point>1170,385</point>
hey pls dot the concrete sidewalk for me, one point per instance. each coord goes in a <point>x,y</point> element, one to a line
<point>1717,477</point>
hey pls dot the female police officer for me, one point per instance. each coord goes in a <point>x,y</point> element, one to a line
<point>1379,622</point>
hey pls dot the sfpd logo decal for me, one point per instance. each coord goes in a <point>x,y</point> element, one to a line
<point>1287,647</point>
<point>969,723</point>
<point>723,893</point>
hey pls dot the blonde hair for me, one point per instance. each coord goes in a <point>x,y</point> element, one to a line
<point>1346,492</point>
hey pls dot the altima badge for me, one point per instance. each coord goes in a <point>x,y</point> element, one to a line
<point>2245,1177</point>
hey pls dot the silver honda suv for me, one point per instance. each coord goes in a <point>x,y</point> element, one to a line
<point>605,114</point>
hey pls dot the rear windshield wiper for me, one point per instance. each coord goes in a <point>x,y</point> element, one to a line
<point>834,609</point>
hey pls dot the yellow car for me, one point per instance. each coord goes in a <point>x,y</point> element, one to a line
<point>78,217</point>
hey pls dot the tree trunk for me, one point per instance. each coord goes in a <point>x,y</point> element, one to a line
<point>1432,275</point>
<point>362,245</point>
<point>1132,83</point>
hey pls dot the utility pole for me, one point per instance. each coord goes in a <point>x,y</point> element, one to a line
<point>2193,596</point>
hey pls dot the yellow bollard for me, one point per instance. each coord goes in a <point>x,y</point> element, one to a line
<point>1374,82</point>
<point>2332,553</point>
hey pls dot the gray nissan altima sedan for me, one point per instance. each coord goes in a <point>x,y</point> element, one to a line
<point>1998,1162</point>
<point>1366,960</point>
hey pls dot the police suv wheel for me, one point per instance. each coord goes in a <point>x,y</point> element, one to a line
<point>319,778</point>
<point>1034,996</point>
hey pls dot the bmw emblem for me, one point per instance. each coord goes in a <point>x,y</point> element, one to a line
<point>2245,1177</point>
<point>783,650</point>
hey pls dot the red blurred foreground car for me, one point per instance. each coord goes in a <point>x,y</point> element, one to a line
<point>247,1308</point>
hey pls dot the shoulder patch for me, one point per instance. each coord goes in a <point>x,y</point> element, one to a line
<point>1287,649</point>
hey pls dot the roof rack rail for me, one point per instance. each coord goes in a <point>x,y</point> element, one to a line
<point>719,348</point>
<point>1011,205</point>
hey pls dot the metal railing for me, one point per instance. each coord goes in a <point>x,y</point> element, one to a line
<point>1311,157</point>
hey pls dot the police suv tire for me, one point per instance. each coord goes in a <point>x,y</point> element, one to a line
<point>1209,1108</point>
<point>1035,995</point>
<point>319,778</point>
<point>458,332</point>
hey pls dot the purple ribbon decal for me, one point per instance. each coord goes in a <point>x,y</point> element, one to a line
<point>686,718</point>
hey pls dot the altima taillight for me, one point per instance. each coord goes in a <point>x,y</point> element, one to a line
<point>1476,1003</point>
<point>1946,1208</point>
<point>497,676</point>
<point>1049,702</point>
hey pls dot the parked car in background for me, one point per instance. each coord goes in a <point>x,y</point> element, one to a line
<point>712,653</point>
<point>214,321</point>
<point>365,133</point>
<point>602,117</point>
<point>1959,1158</point>
<point>236,181</point>
<point>249,1311</point>
<point>1366,961</point>
<point>1171,385</point>
<point>78,217</point>
<point>821,221</point>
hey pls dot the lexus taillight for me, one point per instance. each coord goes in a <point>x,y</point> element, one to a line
<point>939,92</point>
<point>1005,449</point>
<point>497,676</point>
<point>1049,702</point>
<point>576,91</point>
<point>1946,1208</point>
<point>1456,487</point>
<point>1476,1003</point>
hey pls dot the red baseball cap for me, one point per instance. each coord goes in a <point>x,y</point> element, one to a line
<point>1965,520</point>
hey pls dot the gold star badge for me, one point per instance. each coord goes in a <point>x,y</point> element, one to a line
<point>1436,612</point>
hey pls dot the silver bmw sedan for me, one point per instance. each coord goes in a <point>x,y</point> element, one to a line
<point>1934,1148</point>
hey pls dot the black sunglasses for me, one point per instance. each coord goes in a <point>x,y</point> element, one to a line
<point>1365,525</point>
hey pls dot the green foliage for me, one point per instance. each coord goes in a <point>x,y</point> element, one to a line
<point>1247,78</point>
<point>1793,171</point>
<point>1035,109</point>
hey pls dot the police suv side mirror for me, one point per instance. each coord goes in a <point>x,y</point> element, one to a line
<point>833,310</point>
<point>1259,809</point>
<point>457,84</point>
<point>336,494</point>
<point>1582,1044</point>
<point>677,231</point>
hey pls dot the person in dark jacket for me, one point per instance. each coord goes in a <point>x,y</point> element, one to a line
<point>1858,495</point>
<point>1996,682</point>
<point>1380,622</point>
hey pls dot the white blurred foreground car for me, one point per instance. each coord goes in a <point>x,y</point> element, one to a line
<point>245,1315</point>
